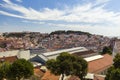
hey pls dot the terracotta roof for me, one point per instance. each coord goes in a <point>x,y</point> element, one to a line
<point>10,59</point>
<point>96,77</point>
<point>38,72</point>
<point>49,76</point>
<point>101,64</point>
<point>74,78</point>
<point>5,41</point>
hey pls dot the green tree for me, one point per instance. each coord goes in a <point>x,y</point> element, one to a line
<point>67,64</point>
<point>106,50</point>
<point>3,45</point>
<point>4,70</point>
<point>113,72</point>
<point>109,72</point>
<point>21,68</point>
<point>117,61</point>
<point>83,71</point>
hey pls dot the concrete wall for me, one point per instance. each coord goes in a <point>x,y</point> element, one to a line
<point>9,53</point>
<point>19,53</point>
<point>24,54</point>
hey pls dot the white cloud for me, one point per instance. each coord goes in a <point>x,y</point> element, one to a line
<point>9,14</point>
<point>83,13</point>
<point>7,1</point>
<point>92,13</point>
<point>35,22</point>
<point>19,1</point>
<point>101,1</point>
<point>94,29</point>
<point>32,14</point>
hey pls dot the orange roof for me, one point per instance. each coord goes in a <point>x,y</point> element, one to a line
<point>101,64</point>
<point>10,59</point>
<point>74,78</point>
<point>38,72</point>
<point>49,76</point>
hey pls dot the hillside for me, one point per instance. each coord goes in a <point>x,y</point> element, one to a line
<point>54,41</point>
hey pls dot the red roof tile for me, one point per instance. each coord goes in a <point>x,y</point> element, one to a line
<point>10,59</point>
<point>38,72</point>
<point>49,76</point>
<point>101,64</point>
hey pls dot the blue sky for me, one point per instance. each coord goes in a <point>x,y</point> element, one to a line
<point>94,16</point>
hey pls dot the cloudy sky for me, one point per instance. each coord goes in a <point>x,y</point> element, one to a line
<point>94,16</point>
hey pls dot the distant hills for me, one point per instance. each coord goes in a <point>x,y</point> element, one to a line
<point>31,34</point>
<point>21,34</point>
<point>56,40</point>
<point>70,32</point>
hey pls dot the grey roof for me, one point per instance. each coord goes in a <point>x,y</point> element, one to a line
<point>71,50</point>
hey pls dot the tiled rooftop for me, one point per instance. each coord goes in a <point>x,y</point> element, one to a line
<point>10,59</point>
<point>50,76</point>
<point>101,64</point>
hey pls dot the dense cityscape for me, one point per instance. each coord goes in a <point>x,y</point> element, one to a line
<point>27,40</point>
<point>59,40</point>
<point>29,45</point>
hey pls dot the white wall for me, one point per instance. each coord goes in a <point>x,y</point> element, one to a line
<point>19,53</point>
<point>9,53</point>
<point>24,54</point>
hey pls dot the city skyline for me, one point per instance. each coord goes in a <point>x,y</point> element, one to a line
<point>96,17</point>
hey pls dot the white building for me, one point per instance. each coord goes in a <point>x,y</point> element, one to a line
<point>43,57</point>
<point>116,48</point>
<point>19,53</point>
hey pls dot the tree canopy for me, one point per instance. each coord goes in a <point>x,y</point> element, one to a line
<point>69,32</point>
<point>3,45</point>
<point>106,50</point>
<point>113,72</point>
<point>4,70</point>
<point>67,64</point>
<point>21,68</point>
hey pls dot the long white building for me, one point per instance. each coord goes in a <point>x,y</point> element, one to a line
<point>43,57</point>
